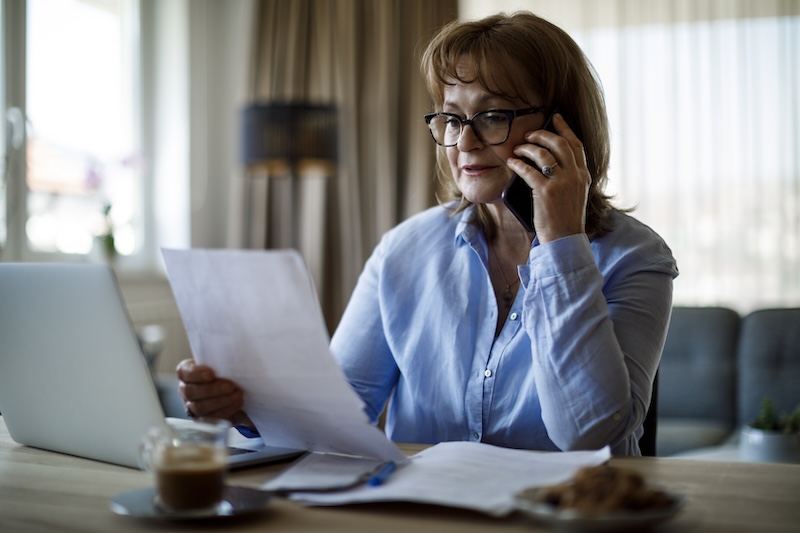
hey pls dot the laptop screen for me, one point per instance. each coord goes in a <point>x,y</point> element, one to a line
<point>72,377</point>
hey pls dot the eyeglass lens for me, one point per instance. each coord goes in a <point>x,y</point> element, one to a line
<point>491,127</point>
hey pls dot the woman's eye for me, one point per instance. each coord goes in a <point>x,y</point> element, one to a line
<point>494,118</point>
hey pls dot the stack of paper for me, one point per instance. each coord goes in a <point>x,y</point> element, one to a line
<point>469,475</point>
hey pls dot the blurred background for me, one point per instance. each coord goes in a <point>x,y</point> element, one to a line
<point>132,125</point>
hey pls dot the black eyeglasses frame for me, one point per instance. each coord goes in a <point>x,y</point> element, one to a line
<point>510,114</point>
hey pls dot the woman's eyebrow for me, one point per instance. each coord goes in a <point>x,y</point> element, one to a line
<point>451,106</point>
<point>483,104</point>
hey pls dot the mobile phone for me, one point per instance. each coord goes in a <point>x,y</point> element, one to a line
<point>517,195</point>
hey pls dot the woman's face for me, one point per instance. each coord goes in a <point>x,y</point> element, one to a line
<point>480,170</point>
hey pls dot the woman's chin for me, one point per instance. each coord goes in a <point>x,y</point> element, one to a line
<point>483,197</point>
<point>482,191</point>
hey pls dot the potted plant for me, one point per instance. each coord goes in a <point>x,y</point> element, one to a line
<point>771,437</point>
<point>105,240</point>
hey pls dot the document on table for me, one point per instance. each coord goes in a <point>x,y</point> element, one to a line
<point>468,475</point>
<point>254,317</point>
<point>325,472</point>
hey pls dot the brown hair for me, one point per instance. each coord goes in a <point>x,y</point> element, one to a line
<point>512,54</point>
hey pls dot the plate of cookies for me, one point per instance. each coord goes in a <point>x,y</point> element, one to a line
<point>600,498</point>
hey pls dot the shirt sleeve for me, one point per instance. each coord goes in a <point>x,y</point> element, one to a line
<point>359,343</point>
<point>596,341</point>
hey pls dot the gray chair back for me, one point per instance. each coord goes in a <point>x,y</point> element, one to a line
<point>698,365</point>
<point>769,361</point>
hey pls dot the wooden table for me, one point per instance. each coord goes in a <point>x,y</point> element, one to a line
<point>45,491</point>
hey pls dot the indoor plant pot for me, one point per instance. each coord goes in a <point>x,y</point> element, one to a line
<point>770,438</point>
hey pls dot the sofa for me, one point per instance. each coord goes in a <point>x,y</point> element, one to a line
<point>717,367</point>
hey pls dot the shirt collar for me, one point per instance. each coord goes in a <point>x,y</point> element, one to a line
<point>467,230</point>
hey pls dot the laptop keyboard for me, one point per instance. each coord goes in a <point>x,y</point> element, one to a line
<point>238,451</point>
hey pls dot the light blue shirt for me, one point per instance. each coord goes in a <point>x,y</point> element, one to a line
<point>572,367</point>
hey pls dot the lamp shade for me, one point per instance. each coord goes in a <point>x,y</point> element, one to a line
<point>291,131</point>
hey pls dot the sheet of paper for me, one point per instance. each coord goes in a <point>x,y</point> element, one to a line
<point>254,317</point>
<point>468,475</point>
<point>324,472</point>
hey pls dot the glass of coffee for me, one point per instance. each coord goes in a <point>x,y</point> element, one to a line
<point>189,459</point>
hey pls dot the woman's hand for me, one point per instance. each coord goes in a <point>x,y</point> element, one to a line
<point>207,396</point>
<point>559,199</point>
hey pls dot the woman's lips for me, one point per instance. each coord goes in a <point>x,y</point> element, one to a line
<point>476,170</point>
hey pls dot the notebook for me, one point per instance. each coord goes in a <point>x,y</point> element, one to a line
<point>72,375</point>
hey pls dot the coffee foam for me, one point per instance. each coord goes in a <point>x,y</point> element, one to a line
<point>191,458</point>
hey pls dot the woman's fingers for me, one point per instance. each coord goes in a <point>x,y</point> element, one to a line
<point>190,372</point>
<point>560,192</point>
<point>206,396</point>
<point>203,403</point>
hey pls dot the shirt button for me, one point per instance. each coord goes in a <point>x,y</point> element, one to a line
<point>487,373</point>
<point>513,316</point>
<point>617,416</point>
<point>475,435</point>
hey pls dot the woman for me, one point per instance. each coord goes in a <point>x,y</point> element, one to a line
<point>473,328</point>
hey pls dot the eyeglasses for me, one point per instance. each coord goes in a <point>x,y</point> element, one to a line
<point>491,127</point>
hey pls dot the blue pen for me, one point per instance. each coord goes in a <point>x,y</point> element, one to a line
<point>381,475</point>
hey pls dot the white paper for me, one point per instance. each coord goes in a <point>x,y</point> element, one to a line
<point>253,316</point>
<point>468,475</point>
<point>324,472</point>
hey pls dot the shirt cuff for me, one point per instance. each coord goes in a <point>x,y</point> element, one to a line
<point>557,257</point>
<point>567,254</point>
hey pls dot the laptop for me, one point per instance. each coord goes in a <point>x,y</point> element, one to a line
<point>73,378</point>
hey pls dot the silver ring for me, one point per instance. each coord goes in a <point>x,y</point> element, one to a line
<point>548,169</point>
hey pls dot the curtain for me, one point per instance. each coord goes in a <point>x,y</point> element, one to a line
<point>704,104</point>
<point>362,56</point>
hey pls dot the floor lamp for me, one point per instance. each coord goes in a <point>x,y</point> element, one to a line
<point>282,142</point>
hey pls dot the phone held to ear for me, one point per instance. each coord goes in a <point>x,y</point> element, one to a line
<point>517,195</point>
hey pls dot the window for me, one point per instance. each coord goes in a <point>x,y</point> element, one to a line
<point>705,118</point>
<point>81,164</point>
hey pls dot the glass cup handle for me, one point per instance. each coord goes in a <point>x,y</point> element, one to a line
<point>147,448</point>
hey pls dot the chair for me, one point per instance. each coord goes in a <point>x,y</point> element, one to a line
<point>697,404</point>
<point>647,442</point>
<point>769,361</point>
